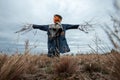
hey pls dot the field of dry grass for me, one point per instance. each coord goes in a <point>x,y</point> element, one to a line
<point>79,67</point>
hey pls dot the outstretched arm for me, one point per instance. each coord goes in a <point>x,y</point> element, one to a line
<point>69,26</point>
<point>41,27</point>
<point>29,27</point>
<point>84,27</point>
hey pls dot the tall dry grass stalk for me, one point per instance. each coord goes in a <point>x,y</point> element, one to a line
<point>13,67</point>
<point>17,66</point>
<point>114,60</point>
<point>27,49</point>
<point>116,69</point>
<point>113,33</point>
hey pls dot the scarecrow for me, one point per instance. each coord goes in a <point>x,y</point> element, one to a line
<point>57,42</point>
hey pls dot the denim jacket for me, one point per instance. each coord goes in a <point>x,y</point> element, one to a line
<point>61,40</point>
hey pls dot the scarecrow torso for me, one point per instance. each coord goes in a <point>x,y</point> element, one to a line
<point>56,38</point>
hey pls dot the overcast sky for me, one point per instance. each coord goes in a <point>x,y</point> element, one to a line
<point>15,13</point>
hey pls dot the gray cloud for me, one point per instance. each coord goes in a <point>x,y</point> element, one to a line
<point>15,13</point>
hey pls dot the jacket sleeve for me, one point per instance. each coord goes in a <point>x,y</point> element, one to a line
<point>41,27</point>
<point>69,26</point>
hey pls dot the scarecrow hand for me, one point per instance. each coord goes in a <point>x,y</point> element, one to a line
<point>86,27</point>
<point>26,27</point>
<point>83,28</point>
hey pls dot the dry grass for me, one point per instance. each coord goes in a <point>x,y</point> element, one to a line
<point>115,70</point>
<point>66,65</point>
<point>40,67</point>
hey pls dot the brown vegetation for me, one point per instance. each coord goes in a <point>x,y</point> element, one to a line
<point>80,67</point>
